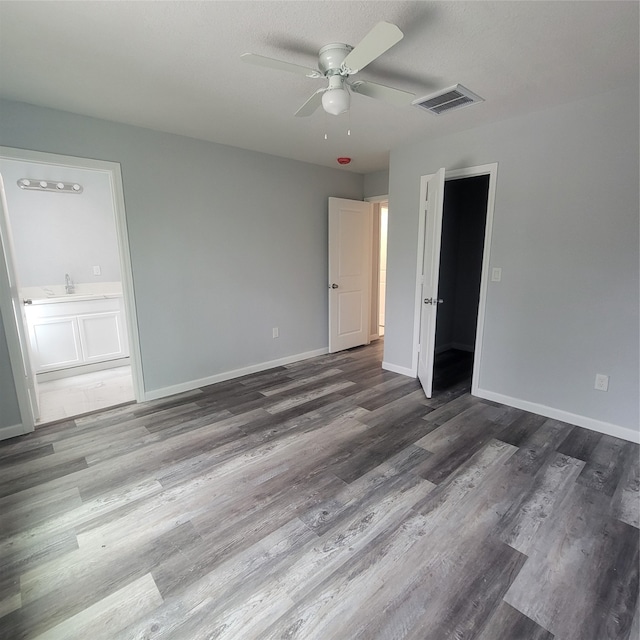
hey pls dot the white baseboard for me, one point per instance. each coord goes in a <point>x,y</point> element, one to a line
<point>12,431</point>
<point>625,433</point>
<point>405,371</point>
<point>229,375</point>
<point>46,376</point>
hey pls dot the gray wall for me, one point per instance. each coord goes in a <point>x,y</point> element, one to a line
<point>566,236</point>
<point>59,233</point>
<point>376,184</point>
<point>225,243</point>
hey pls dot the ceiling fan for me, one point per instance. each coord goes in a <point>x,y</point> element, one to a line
<point>338,62</point>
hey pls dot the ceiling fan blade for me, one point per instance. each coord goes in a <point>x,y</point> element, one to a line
<point>393,96</point>
<point>381,38</point>
<point>311,104</point>
<point>272,63</point>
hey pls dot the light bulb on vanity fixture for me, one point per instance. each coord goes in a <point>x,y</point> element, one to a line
<point>49,185</point>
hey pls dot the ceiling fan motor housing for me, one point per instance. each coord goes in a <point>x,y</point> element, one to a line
<point>331,57</point>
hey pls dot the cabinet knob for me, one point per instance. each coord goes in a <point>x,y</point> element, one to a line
<point>27,301</point>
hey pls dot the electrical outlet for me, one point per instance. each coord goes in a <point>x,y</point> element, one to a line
<point>97,270</point>
<point>276,333</point>
<point>602,382</point>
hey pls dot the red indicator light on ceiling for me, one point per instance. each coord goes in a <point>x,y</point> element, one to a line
<point>344,160</point>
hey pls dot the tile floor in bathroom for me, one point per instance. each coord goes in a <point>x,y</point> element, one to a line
<point>66,397</point>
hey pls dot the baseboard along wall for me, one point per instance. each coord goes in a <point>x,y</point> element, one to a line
<point>607,428</point>
<point>12,431</point>
<point>154,394</point>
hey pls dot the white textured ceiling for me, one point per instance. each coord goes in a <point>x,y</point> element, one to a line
<point>175,66</point>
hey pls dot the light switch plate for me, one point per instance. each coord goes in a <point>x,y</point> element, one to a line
<point>97,270</point>
<point>496,274</point>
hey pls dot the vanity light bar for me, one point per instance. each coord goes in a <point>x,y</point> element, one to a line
<point>49,185</point>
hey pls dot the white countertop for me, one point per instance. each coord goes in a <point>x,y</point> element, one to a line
<point>83,291</point>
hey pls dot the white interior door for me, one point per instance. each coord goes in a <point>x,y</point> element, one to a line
<point>15,326</point>
<point>434,200</point>
<point>350,240</point>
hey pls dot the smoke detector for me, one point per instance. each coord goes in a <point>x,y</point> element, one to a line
<point>449,99</point>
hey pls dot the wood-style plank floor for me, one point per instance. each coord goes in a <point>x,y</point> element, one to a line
<point>327,499</point>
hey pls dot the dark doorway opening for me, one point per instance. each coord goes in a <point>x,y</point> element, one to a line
<point>461,251</point>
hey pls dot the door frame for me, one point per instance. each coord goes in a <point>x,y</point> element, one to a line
<point>491,170</point>
<point>377,201</point>
<point>17,341</point>
<point>113,170</point>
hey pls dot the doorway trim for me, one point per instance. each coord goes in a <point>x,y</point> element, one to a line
<point>491,170</point>
<point>12,334</point>
<point>113,170</point>
<point>377,202</point>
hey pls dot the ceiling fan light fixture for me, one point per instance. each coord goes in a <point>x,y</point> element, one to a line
<point>336,101</point>
<point>337,62</point>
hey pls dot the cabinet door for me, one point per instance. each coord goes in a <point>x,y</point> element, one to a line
<point>55,343</point>
<point>101,336</point>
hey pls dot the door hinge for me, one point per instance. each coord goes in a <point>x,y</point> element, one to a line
<point>419,347</point>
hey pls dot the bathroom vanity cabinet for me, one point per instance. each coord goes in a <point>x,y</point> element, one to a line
<point>76,331</point>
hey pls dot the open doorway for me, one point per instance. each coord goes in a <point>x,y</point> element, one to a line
<point>382,267</point>
<point>429,299</point>
<point>380,212</point>
<point>66,253</point>
<point>460,274</point>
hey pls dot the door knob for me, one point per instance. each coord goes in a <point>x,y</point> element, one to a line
<point>433,300</point>
<point>334,286</point>
<point>27,301</point>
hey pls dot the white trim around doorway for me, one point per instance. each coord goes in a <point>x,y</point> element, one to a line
<point>115,176</point>
<point>469,172</point>
<point>377,201</point>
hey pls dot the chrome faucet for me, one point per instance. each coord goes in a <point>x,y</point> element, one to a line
<point>69,287</point>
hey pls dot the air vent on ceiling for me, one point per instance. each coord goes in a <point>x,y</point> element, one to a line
<point>447,100</point>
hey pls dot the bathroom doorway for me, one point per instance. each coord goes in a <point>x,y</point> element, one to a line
<point>70,257</point>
